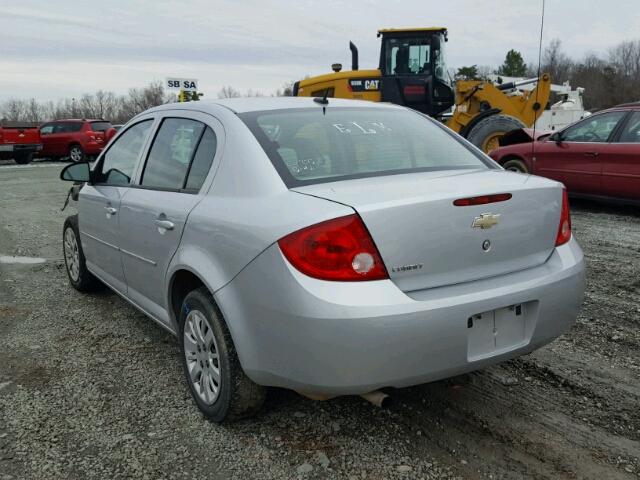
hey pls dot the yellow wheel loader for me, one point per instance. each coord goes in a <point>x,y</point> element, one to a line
<point>413,72</point>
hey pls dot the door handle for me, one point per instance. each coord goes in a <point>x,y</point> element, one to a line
<point>166,224</point>
<point>111,210</point>
<point>591,154</point>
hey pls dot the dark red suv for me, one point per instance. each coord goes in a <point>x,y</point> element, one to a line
<point>74,138</point>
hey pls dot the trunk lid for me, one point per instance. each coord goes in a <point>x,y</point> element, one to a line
<point>426,241</point>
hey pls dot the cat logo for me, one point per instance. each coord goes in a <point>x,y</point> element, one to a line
<point>371,84</point>
<point>364,85</point>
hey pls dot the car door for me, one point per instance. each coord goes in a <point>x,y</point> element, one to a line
<point>153,214</point>
<point>573,156</point>
<point>621,165</point>
<point>57,139</point>
<point>46,131</point>
<point>99,204</point>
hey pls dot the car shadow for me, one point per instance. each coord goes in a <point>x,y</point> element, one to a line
<point>608,207</point>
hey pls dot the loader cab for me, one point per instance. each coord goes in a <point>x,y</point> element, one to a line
<point>414,70</point>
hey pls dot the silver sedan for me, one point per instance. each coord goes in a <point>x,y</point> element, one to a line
<point>333,249</point>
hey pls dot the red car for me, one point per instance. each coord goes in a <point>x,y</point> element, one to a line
<point>75,139</point>
<point>597,157</point>
<point>19,140</point>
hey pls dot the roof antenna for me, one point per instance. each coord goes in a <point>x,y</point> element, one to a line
<point>323,101</point>
<point>533,140</point>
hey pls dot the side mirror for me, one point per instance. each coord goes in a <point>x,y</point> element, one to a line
<point>76,172</point>
<point>556,137</point>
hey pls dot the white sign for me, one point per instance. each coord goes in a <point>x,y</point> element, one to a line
<point>186,84</point>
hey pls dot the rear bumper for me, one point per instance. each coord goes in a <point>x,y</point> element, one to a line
<point>334,338</point>
<point>21,148</point>
<point>93,148</point>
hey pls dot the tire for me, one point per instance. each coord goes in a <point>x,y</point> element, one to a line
<point>515,165</point>
<point>486,133</point>
<point>76,154</point>
<point>203,331</point>
<point>80,278</point>
<point>24,159</point>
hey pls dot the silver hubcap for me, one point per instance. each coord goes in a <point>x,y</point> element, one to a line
<point>71,254</point>
<point>75,154</point>
<point>201,355</point>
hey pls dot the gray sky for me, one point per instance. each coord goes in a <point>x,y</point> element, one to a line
<point>50,50</point>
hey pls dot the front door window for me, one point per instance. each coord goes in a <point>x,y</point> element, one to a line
<point>120,160</point>
<point>596,129</point>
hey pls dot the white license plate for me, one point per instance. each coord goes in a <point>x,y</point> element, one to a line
<point>498,331</point>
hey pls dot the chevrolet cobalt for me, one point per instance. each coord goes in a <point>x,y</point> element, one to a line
<point>328,246</point>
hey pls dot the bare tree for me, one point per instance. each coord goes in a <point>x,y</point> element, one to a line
<point>14,110</point>
<point>286,91</point>
<point>229,92</point>
<point>556,62</point>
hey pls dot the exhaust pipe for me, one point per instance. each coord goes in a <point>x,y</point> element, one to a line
<point>378,398</point>
<point>354,56</point>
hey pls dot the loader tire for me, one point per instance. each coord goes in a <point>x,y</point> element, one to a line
<point>487,132</point>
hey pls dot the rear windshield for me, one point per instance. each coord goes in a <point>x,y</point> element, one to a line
<point>100,126</point>
<point>307,146</point>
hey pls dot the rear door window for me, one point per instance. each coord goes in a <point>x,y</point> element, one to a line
<point>202,161</point>
<point>308,146</point>
<point>171,154</point>
<point>70,127</point>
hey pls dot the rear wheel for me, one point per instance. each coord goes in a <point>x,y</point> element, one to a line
<point>515,165</point>
<point>76,154</point>
<point>24,158</point>
<point>487,132</point>
<point>219,386</point>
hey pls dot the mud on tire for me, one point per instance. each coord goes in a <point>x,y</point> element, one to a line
<point>238,396</point>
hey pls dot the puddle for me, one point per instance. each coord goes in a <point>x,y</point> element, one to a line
<point>24,260</point>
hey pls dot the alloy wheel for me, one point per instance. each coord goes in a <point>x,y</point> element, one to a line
<point>201,356</point>
<point>75,154</point>
<point>72,254</point>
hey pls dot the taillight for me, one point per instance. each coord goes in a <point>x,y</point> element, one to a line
<point>414,90</point>
<point>564,230</point>
<point>340,249</point>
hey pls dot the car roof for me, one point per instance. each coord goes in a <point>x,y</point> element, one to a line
<point>627,106</point>
<point>257,104</point>
<point>78,120</point>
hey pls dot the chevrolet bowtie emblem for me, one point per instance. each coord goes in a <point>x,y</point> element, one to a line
<point>486,220</point>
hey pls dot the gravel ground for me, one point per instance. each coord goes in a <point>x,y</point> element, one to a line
<point>89,388</point>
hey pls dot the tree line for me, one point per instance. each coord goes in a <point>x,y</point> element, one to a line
<point>116,108</point>
<point>102,104</point>
<point>609,79</point>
